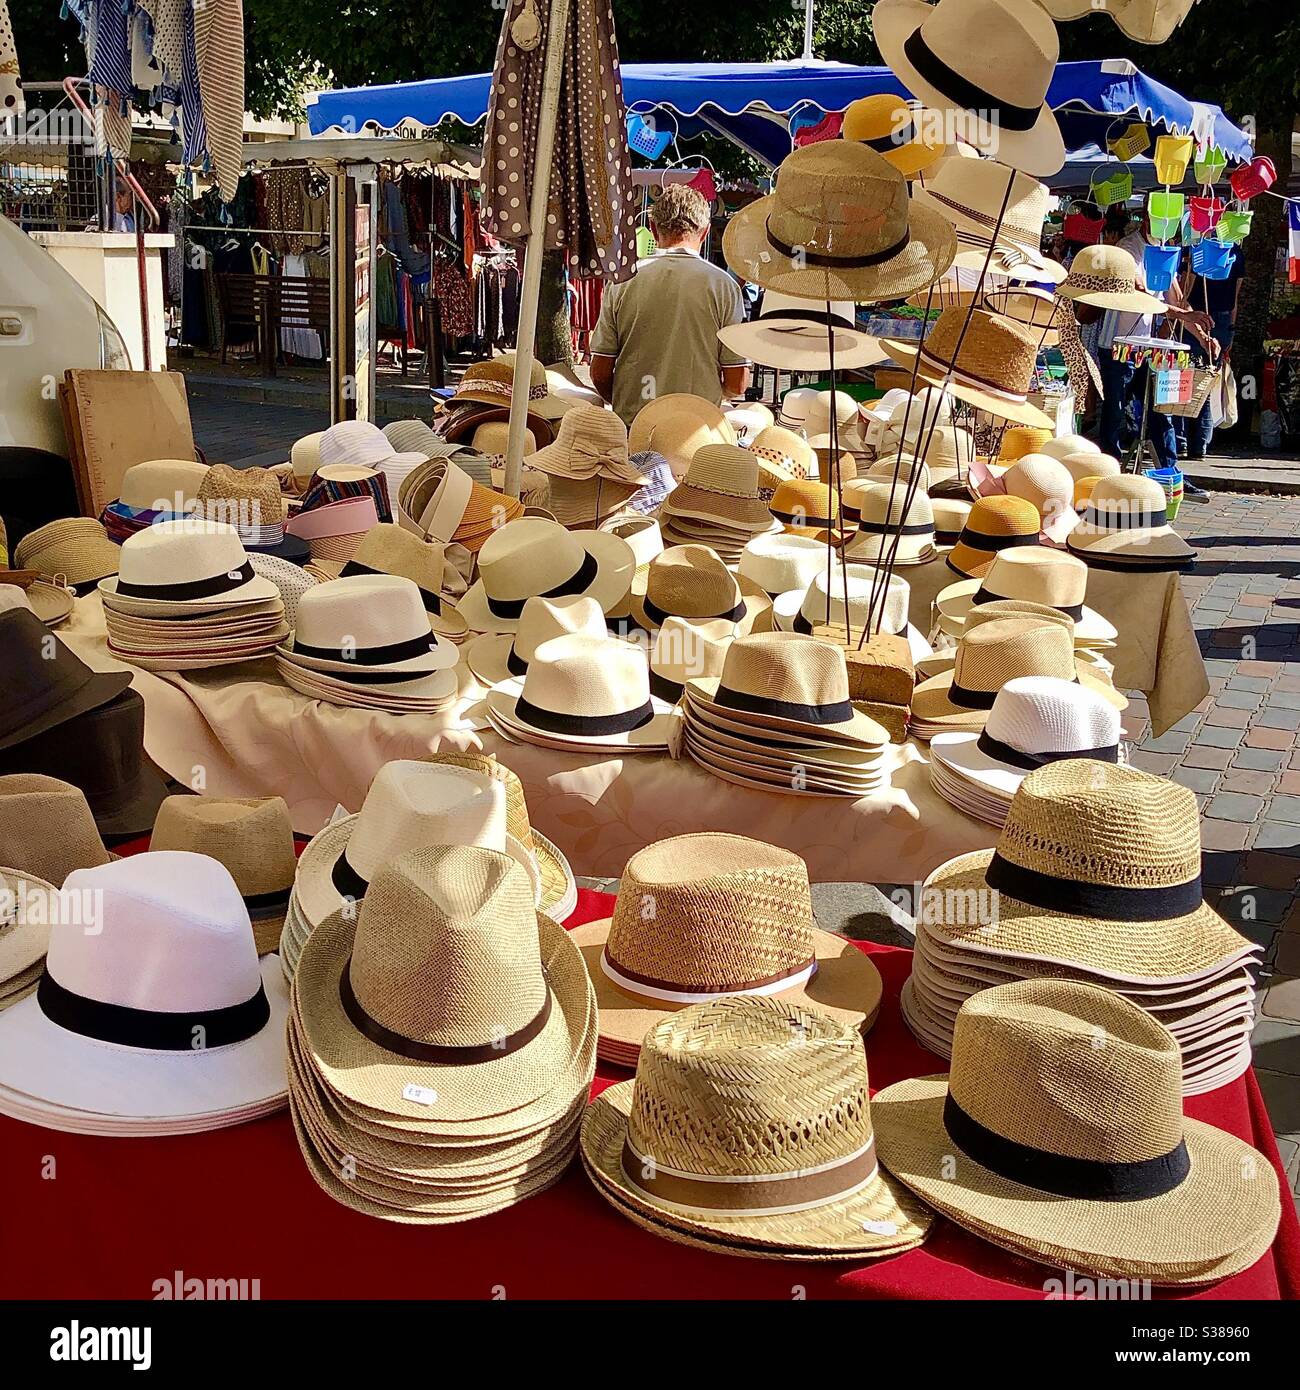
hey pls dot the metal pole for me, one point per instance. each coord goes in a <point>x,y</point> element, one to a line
<point>557,26</point>
<point>807,28</point>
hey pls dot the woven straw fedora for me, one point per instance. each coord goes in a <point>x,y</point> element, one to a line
<point>889,125</point>
<point>1087,1161</point>
<point>676,425</point>
<point>821,604</point>
<point>585,691</point>
<point>250,500</point>
<point>492,383</point>
<point>252,837</point>
<point>74,548</point>
<point>690,581</point>
<point>448,980</point>
<point>498,656</point>
<point>806,508</point>
<point>838,226</point>
<point>683,650</point>
<point>721,485</point>
<point>391,549</point>
<point>885,513</point>
<point>700,917</point>
<point>988,363</point>
<point>950,517</point>
<point>162,485</point>
<point>993,525</point>
<point>1106,277</point>
<point>24,935</point>
<point>749,1124</point>
<point>46,828</point>
<point>532,556</point>
<point>782,454</point>
<point>989,61</point>
<point>190,564</point>
<point>777,562</point>
<point>798,335</point>
<point>1125,526</point>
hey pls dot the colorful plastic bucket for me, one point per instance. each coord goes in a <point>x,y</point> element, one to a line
<point>1234,225</point>
<point>1171,480</point>
<point>1212,259</point>
<point>1132,141</point>
<point>1205,213</point>
<point>1160,264</point>
<point>1172,156</point>
<point>1165,204</point>
<point>1255,177</point>
<point>644,138</point>
<point>1208,166</point>
<point>1115,187</point>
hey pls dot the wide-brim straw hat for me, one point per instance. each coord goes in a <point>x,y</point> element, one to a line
<point>51,602</point>
<point>1086,1161</point>
<point>993,524</point>
<point>583,502</point>
<point>798,335</point>
<point>75,549</point>
<point>464,423</point>
<point>989,56</point>
<point>1125,525</point>
<point>1106,277</point>
<point>1145,21</point>
<point>816,1192</point>
<point>491,382</point>
<point>721,485</point>
<point>838,226</point>
<point>893,128</point>
<point>676,425</point>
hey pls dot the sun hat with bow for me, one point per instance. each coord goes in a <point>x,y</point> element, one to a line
<point>691,582</point>
<point>1125,526</point>
<point>798,335</point>
<point>74,548</point>
<point>778,561</point>
<point>838,226</point>
<point>46,828</point>
<point>994,524</point>
<point>893,128</point>
<point>590,443</point>
<point>494,657</point>
<point>1106,277</point>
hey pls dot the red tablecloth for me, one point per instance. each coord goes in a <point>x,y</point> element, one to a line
<point>112,1216</point>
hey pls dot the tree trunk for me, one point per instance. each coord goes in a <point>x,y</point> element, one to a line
<point>554,338</point>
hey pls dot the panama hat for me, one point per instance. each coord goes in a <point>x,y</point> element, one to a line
<point>492,383</point>
<point>665,1150</point>
<point>987,362</point>
<point>1032,308</point>
<point>46,828</point>
<point>838,226</point>
<point>989,62</point>
<point>531,556</point>
<point>721,485</point>
<point>691,582</point>
<point>888,522</point>
<point>25,919</point>
<point>1124,526</point>
<point>643,535</point>
<point>950,517</point>
<point>304,458</point>
<point>162,485</point>
<point>492,440</point>
<point>682,650</point>
<point>586,692</point>
<point>1047,484</point>
<point>994,524</point>
<point>806,508</point>
<point>778,561</point>
<point>889,125</point>
<point>497,656</point>
<point>731,916</point>
<point>1035,573</point>
<point>841,601</point>
<point>1087,1161</point>
<point>109,1037</point>
<point>1106,277</point>
<point>782,455</point>
<point>75,549</point>
<point>188,564</point>
<point>797,335</point>
<point>676,425</point>
<point>748,419</point>
<point>1090,465</point>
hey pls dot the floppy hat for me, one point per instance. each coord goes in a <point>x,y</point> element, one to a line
<point>110,1036</point>
<point>721,485</point>
<point>987,62</point>
<point>391,549</point>
<point>1047,484</point>
<point>682,650</point>
<point>1125,526</point>
<point>1106,277</point>
<point>778,561</point>
<point>190,563</point>
<point>886,518</point>
<point>492,382</point>
<point>74,548</point>
<point>418,437</point>
<point>806,508</point>
<point>691,582</point>
<point>782,455</point>
<point>356,442</point>
<point>797,334</point>
<point>988,362</point>
<point>1087,1161</point>
<point>676,425</point>
<point>584,502</point>
<point>531,556</point>
<point>588,691</point>
<point>591,442</point>
<point>494,657</point>
<point>993,525</point>
<point>748,1127</point>
<point>46,827</point>
<point>46,683</point>
<point>838,226</point>
<point>888,125</point>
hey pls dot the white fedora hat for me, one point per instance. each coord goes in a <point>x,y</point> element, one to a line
<point>190,563</point>
<point>778,561</point>
<point>494,657</point>
<point>822,603</point>
<point>683,651</point>
<point>798,334</point>
<point>353,442</point>
<point>883,514</point>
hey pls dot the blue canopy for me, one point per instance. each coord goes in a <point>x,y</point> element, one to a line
<point>750,103</point>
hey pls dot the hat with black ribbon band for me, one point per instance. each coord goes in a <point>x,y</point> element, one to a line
<point>975,699</point>
<point>980,540</point>
<point>1005,753</point>
<point>961,91</point>
<point>895,140</point>
<point>838,712</point>
<point>577,583</point>
<point>348,883</point>
<point>583,725</point>
<point>888,528</point>
<point>808,316</point>
<point>515,663</point>
<point>370,656</point>
<point>799,519</point>
<point>803,256</point>
<point>1123,520</point>
<point>195,588</point>
<point>1102,900</point>
<point>1071,610</point>
<point>432,603</point>
<point>657,614</point>
<point>267,904</point>
<point>664,689</point>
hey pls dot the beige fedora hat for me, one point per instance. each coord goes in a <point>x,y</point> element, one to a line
<point>884,513</point>
<point>252,837</point>
<point>645,537</point>
<point>75,549</point>
<point>782,455</point>
<point>838,226</point>
<point>47,828</point>
<point>950,517</point>
<point>798,335</point>
<point>662,1148</point>
<point>497,656</point>
<point>778,561</point>
<point>532,556</point>
<point>993,524</point>
<point>162,485</point>
<point>895,129</point>
<point>490,439</point>
<point>683,650</point>
<point>806,507</point>
<point>1086,465</point>
<point>24,934</point>
<point>391,549</point>
<point>190,564</point>
<point>691,581</point>
<point>1125,526</point>
<point>1048,484</point>
<point>304,458</point>
<point>1087,1161</point>
<point>987,64</point>
<point>822,603</point>
<point>721,485</point>
<point>1107,278</point>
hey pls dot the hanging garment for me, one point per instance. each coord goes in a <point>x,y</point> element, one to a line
<point>455,299</point>
<point>194,130</point>
<point>219,40</point>
<point>286,201</point>
<point>295,336</point>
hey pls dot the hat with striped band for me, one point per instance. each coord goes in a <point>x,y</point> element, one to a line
<point>994,524</point>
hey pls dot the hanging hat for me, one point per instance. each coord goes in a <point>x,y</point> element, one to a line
<point>806,508</point>
<point>250,500</point>
<point>782,455</point>
<point>838,226</point>
<point>690,581</point>
<point>532,556</point>
<point>778,561</point>
<point>1090,465</point>
<point>46,829</point>
<point>1087,1161</point>
<point>391,549</point>
<point>988,63</point>
<point>1046,483</point>
<point>1146,21</point>
<point>1030,307</point>
<point>797,335</point>
<point>682,650</point>
<point>889,523</point>
<point>893,128</point>
<point>993,525</point>
<point>987,362</point>
<point>494,657</point>
<point>663,1150</point>
<point>492,383</point>
<point>1106,277</point>
<point>108,1042</point>
<point>950,517</point>
<point>304,458</point>
<point>75,549</point>
<point>1125,526</point>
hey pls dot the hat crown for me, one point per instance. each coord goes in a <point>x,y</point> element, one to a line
<point>974,189</point>
<point>749,1087</point>
<point>517,823</point>
<point>691,581</point>
<point>994,652</point>
<point>806,501</point>
<point>838,198</point>
<point>182,551</point>
<point>824,603</point>
<point>251,836</point>
<point>1103,268</point>
<point>1042,480</point>
<point>1007,47</point>
<point>883,503</point>
<point>1127,493</point>
<point>46,825</point>
<point>786,666</point>
<point>1038,575</point>
<point>362,611</point>
<point>244,498</point>
<point>1003,516</point>
<point>587,676</point>
<point>528,556</point>
<point>685,650</point>
<point>1097,1078</point>
<point>163,485</point>
<point>779,561</point>
<point>1046,714</point>
<point>725,468</point>
<point>991,350</point>
<point>446,950</point>
<point>874,117</point>
<point>594,427</point>
<point>352,441</point>
<point>546,618</point>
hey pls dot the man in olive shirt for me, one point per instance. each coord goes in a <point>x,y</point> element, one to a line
<point>658,331</point>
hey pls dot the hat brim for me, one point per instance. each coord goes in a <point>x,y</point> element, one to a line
<point>1039,151</point>
<point>955,604</point>
<point>1014,260</point>
<point>697,504</point>
<point>1135,302</point>
<point>1159,543</point>
<point>801,349</point>
<point>255,590</point>
<point>1020,412</point>
<point>487,656</point>
<point>768,767</point>
<point>860,729</point>
<point>503,701</point>
<point>932,702</point>
<point>442,657</point>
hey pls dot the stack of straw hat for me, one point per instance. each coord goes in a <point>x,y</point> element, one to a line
<point>152,491</point>
<point>187,598</point>
<point>717,503</point>
<point>588,466</point>
<point>691,582</point>
<point>442,1041</point>
<point>75,550</point>
<point>707,916</point>
<point>365,642</point>
<point>1096,877</point>
<point>890,523</point>
<point>24,933</point>
<point>439,501</point>
<point>1035,720</point>
<point>1125,527</point>
<point>779,719</point>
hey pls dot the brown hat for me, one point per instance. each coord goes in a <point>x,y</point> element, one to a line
<point>691,582</point>
<point>721,485</point>
<point>46,828</point>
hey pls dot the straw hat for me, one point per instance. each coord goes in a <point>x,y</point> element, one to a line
<point>748,1127</point>
<point>806,508</point>
<point>838,226</point>
<point>809,408</point>
<point>990,61</point>
<point>492,439</point>
<point>50,602</point>
<point>462,426</point>
<point>532,556</point>
<point>497,656</point>
<point>822,603</point>
<point>162,485</point>
<point>591,442</point>
<point>1106,277</point>
<point>884,515</point>
<point>682,650</point>
<point>1047,484</point>
<point>749,419</point>
<point>644,536</point>
<point>333,530</point>
<point>690,581</point>
<point>1125,526</point>
<point>46,828</point>
<point>190,564</point>
<point>1030,307</point>
<point>579,503</point>
<point>24,935</point>
<point>252,837</point>
<point>676,425</point>
<point>439,501</point>
<point>782,455</point>
<point>418,437</point>
<point>492,383</point>
<point>589,692</point>
<point>1062,446</point>
<point>778,561</point>
<point>889,125</point>
<point>391,549</point>
<point>797,335</point>
<point>304,458</point>
<point>883,474</point>
<point>290,580</point>
<point>828,459</point>
<point>1087,1161</point>
<point>1146,21</point>
<point>74,548</point>
<point>721,485</point>
<point>988,362</point>
<point>1094,465</point>
<point>950,517</point>
<point>356,442</point>
<point>994,524</point>
<point>250,500</point>
<point>1019,441</point>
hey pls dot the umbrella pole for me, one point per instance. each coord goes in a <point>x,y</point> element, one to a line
<point>557,26</point>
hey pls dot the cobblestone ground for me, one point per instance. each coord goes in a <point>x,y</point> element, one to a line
<point>1240,753</point>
